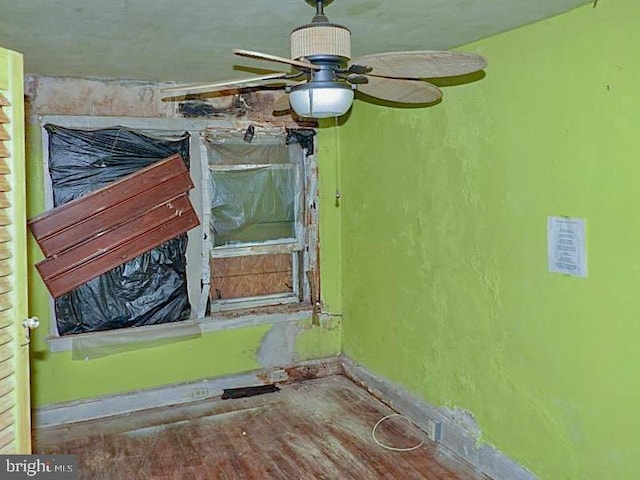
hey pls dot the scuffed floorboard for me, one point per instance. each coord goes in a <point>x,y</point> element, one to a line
<point>319,429</point>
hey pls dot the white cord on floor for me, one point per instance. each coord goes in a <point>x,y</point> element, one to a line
<point>373,434</point>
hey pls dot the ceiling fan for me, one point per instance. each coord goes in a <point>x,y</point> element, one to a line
<point>324,76</point>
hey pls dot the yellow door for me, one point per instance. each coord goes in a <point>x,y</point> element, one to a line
<point>15,435</point>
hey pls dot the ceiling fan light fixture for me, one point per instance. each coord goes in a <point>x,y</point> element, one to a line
<point>321,99</point>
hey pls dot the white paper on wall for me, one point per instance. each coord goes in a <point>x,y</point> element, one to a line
<point>566,246</point>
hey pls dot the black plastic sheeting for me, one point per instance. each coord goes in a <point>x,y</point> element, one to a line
<point>147,290</point>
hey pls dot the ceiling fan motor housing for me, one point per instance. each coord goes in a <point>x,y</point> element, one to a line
<point>321,40</point>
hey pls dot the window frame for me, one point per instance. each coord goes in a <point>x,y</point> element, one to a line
<point>232,311</point>
<point>292,245</point>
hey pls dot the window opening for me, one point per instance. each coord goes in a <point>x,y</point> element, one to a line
<point>150,289</point>
<point>255,191</point>
<point>277,257</point>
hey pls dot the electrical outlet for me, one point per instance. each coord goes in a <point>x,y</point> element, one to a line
<point>434,430</point>
<point>200,393</point>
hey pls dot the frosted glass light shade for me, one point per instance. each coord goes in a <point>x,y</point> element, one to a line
<point>321,101</point>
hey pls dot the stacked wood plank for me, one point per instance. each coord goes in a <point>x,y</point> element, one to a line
<point>91,235</point>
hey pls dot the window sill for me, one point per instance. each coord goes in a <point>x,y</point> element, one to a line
<point>230,320</point>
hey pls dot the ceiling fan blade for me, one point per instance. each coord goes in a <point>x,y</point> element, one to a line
<point>240,83</point>
<point>422,64</point>
<point>274,58</point>
<point>282,104</point>
<point>399,90</point>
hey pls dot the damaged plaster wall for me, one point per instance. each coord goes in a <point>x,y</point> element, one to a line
<point>55,376</point>
<point>120,98</point>
<point>446,285</point>
<point>288,343</point>
<point>277,347</point>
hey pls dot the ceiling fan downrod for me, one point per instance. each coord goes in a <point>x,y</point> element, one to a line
<point>319,17</point>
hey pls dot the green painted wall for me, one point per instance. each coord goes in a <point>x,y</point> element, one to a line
<point>445,282</point>
<point>330,216</point>
<point>57,378</point>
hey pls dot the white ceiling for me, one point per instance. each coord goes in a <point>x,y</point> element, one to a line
<point>191,40</point>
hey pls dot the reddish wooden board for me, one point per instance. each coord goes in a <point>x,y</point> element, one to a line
<point>65,216</point>
<point>105,219</point>
<point>74,276</point>
<point>122,234</point>
<point>89,236</point>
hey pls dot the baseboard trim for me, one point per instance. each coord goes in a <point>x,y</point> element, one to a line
<point>178,394</point>
<point>459,431</point>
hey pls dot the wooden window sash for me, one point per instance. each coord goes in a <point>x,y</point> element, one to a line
<point>294,246</point>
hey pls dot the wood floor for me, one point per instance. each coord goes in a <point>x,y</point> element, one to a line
<point>319,429</point>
